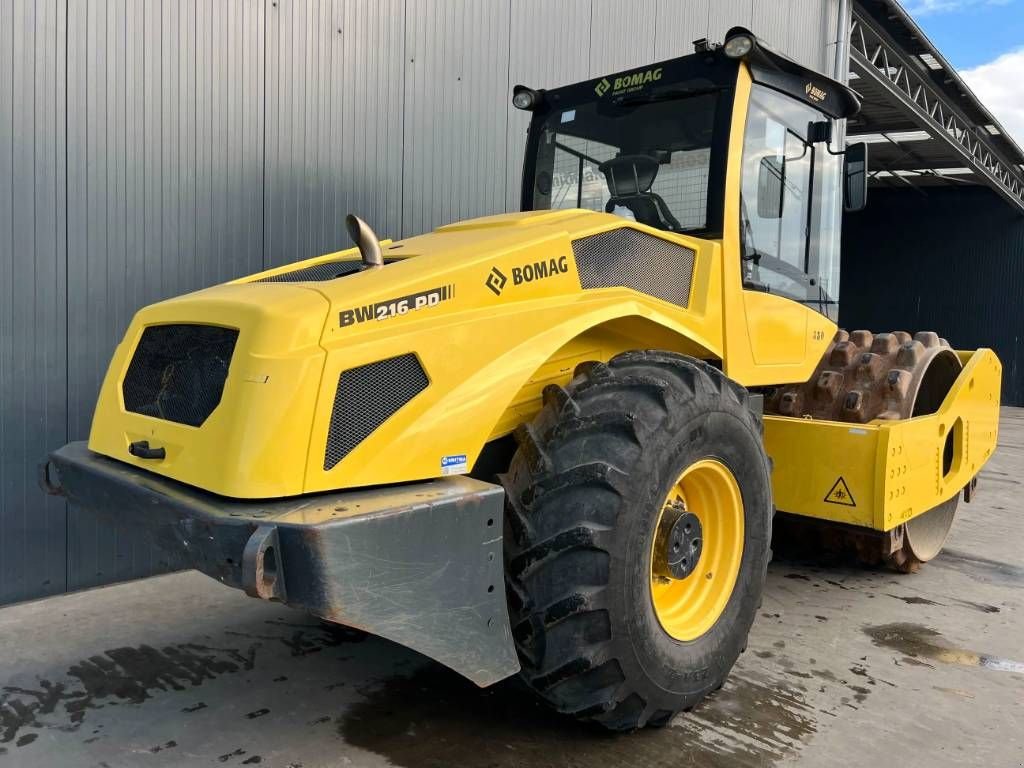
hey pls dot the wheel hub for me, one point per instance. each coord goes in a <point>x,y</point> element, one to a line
<point>682,545</point>
<point>697,549</point>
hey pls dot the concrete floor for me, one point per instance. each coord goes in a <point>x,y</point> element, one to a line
<point>845,667</point>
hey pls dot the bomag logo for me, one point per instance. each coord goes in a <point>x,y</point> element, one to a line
<point>631,81</point>
<point>527,273</point>
<point>814,93</point>
<point>496,281</point>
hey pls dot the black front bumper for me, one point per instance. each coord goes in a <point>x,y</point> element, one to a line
<point>420,564</point>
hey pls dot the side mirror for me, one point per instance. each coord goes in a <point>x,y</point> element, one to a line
<point>855,177</point>
<point>769,188</point>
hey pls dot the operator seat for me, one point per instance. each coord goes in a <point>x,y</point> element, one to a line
<point>629,181</point>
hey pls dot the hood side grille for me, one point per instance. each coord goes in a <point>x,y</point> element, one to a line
<point>367,396</point>
<point>628,258</point>
<point>318,273</point>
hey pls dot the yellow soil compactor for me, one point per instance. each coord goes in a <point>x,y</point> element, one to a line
<point>553,442</point>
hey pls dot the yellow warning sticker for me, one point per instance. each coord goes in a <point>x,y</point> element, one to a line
<point>840,494</point>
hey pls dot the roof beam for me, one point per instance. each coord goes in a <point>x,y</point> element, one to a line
<point>876,56</point>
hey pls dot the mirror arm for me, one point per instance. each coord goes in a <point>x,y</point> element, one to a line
<point>822,132</point>
<point>828,148</point>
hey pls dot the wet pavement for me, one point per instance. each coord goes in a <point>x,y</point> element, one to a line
<point>845,666</point>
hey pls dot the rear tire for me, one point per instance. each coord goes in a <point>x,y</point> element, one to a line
<point>586,493</point>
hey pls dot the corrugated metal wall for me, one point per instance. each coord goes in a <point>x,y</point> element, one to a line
<point>152,147</point>
<point>34,285</point>
<point>334,96</point>
<point>951,261</point>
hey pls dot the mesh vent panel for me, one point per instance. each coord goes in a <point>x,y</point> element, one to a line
<point>367,396</point>
<point>178,372</point>
<point>329,270</point>
<point>628,258</point>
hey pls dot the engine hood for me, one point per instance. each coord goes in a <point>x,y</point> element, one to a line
<point>422,274</point>
<point>326,374</point>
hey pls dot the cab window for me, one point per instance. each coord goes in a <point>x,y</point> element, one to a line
<point>647,158</point>
<point>789,227</point>
<point>576,179</point>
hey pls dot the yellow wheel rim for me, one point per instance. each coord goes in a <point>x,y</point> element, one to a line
<point>688,607</point>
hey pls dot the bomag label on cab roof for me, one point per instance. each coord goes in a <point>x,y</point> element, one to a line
<point>631,81</point>
<point>814,93</point>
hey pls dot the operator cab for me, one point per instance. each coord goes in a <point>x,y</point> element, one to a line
<point>652,145</point>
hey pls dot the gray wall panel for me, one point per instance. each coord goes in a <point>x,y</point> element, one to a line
<point>164,192</point>
<point>541,55</point>
<point>33,414</point>
<point>725,14</point>
<point>371,78</point>
<point>677,25</point>
<point>334,123</point>
<point>621,35</point>
<point>456,74</point>
<point>811,22</point>
<point>802,29</point>
<point>772,22</point>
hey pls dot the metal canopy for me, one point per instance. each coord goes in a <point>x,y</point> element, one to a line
<point>924,125</point>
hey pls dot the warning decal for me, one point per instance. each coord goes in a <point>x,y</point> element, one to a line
<point>840,494</point>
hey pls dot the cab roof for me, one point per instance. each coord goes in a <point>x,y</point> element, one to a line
<point>710,67</point>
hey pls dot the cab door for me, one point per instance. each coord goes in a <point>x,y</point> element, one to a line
<point>788,230</point>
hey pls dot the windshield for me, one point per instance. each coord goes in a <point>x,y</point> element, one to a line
<point>656,158</point>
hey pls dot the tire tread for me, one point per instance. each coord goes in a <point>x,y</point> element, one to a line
<point>608,410</point>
